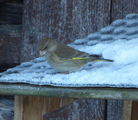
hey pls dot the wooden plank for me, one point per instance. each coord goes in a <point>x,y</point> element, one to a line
<point>134,110</point>
<point>33,108</point>
<point>120,8</point>
<point>10,49</point>
<point>82,109</point>
<point>114,109</point>
<point>127,110</point>
<point>96,93</point>
<point>18,108</point>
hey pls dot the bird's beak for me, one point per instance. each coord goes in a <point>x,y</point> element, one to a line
<point>42,53</point>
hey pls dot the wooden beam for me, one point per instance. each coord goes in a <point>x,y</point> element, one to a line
<point>96,93</point>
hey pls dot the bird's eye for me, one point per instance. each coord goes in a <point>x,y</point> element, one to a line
<point>46,47</point>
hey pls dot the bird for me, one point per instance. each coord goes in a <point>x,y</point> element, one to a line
<point>63,58</point>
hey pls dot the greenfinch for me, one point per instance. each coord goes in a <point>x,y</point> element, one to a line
<point>64,58</point>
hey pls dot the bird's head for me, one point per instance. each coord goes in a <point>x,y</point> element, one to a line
<point>43,45</point>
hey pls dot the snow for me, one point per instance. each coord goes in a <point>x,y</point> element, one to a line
<point>123,72</point>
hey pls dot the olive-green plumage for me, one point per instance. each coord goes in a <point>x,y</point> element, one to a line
<point>63,58</point>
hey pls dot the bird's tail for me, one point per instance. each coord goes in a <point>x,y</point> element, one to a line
<point>97,58</point>
<point>102,59</point>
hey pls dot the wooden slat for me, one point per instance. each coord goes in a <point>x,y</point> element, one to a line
<point>11,13</point>
<point>18,108</point>
<point>12,8</point>
<point>127,110</point>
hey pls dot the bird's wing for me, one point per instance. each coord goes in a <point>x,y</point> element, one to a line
<point>66,52</point>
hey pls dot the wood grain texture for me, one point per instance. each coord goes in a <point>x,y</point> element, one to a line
<point>10,36</point>
<point>18,108</point>
<point>33,108</point>
<point>127,110</point>
<point>120,8</point>
<point>65,20</point>
<point>11,13</point>
<point>82,109</point>
<point>114,109</point>
<point>49,91</point>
